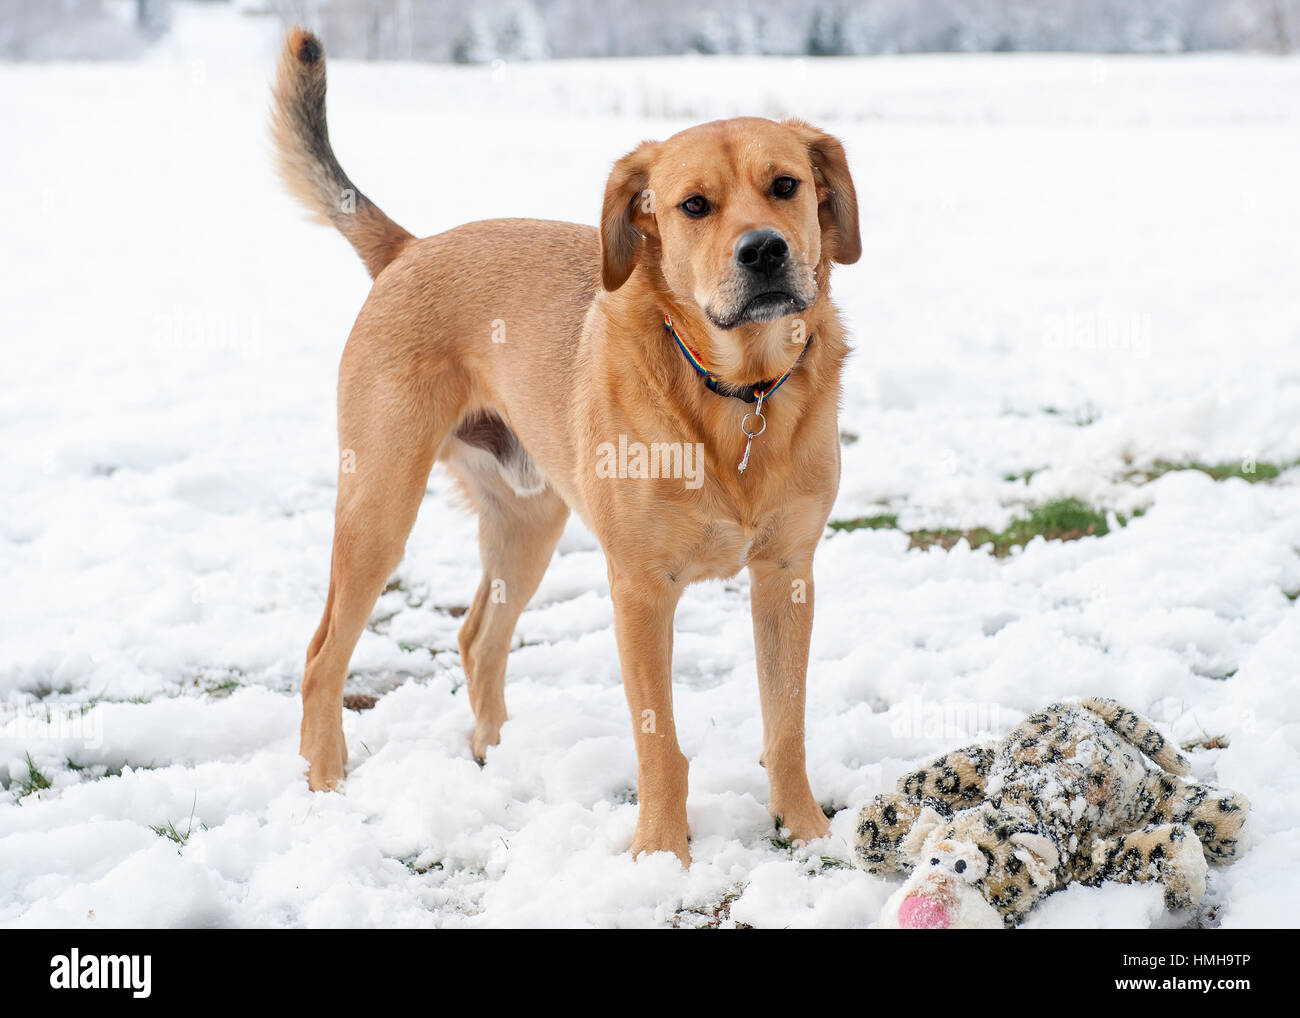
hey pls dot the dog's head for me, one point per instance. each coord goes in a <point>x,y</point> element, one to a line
<point>740,217</point>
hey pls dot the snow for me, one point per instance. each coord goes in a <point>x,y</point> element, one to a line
<point>1111,239</point>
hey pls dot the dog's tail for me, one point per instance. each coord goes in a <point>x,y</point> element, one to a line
<point>307,163</point>
<point>1135,729</point>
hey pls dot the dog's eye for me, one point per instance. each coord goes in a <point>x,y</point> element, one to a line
<point>696,206</point>
<point>784,187</point>
<point>960,865</point>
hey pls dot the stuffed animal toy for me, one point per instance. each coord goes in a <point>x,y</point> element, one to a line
<point>1069,795</point>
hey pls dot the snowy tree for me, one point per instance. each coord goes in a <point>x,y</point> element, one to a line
<point>826,35</point>
<point>474,44</point>
<point>522,35</point>
<point>477,31</point>
<point>71,29</point>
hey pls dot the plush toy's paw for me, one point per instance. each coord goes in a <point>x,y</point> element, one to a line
<point>956,779</point>
<point>883,823</point>
<point>1221,826</point>
<point>1217,816</point>
<point>1169,853</point>
<point>1182,870</point>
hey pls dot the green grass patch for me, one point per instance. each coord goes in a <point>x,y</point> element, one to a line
<point>171,832</point>
<point>947,538</point>
<point>1061,520</point>
<point>1066,519</point>
<point>781,842</point>
<point>1250,471</point>
<point>34,780</point>
<point>419,869</point>
<point>885,521</point>
<point>1080,417</point>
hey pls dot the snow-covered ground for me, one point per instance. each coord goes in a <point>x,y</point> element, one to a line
<point>1075,266</point>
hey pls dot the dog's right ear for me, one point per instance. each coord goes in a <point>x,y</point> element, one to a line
<point>627,212</point>
<point>838,201</point>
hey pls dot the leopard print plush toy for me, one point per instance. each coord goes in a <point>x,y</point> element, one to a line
<point>1068,795</point>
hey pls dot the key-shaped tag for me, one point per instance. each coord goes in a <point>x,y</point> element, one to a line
<point>751,435</point>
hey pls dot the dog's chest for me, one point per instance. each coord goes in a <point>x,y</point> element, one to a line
<point>725,548</point>
<point>732,529</point>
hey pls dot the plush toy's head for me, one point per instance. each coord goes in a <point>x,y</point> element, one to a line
<point>981,868</point>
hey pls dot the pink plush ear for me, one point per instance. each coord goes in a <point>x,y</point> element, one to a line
<point>1039,856</point>
<point>927,821</point>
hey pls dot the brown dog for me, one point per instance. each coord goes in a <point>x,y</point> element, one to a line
<point>533,359</point>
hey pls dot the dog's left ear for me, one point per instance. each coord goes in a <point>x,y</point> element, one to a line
<point>837,200</point>
<point>628,210</point>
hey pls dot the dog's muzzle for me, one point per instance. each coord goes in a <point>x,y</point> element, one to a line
<point>766,283</point>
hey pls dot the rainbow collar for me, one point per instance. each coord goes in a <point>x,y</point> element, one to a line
<point>754,393</point>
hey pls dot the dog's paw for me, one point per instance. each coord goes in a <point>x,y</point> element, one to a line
<point>805,822</point>
<point>486,733</point>
<point>660,839</point>
<point>327,759</point>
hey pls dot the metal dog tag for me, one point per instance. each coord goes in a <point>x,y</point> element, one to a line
<point>751,435</point>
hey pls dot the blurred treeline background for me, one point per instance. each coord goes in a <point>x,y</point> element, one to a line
<point>486,30</point>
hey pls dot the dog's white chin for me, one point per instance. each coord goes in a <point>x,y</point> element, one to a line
<point>771,309</point>
<point>760,310</point>
<point>973,911</point>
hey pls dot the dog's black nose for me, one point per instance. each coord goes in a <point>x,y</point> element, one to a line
<point>762,251</point>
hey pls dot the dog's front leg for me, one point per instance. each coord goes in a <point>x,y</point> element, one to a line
<point>643,624</point>
<point>781,598</point>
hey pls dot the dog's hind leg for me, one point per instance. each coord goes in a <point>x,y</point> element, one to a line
<point>517,537</point>
<point>390,428</point>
